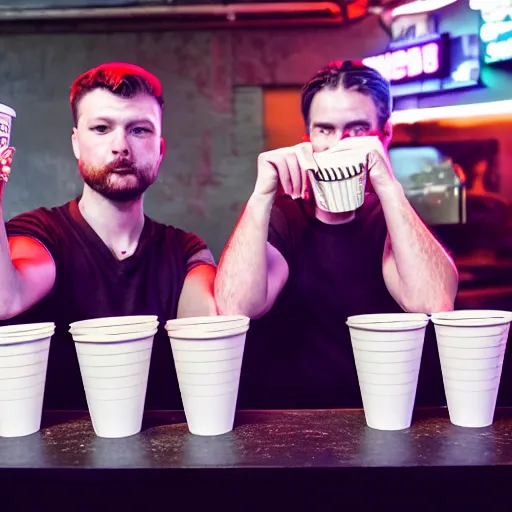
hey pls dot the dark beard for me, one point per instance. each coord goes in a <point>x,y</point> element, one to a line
<point>99,180</point>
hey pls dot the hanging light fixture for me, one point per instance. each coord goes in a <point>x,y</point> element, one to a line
<point>420,6</point>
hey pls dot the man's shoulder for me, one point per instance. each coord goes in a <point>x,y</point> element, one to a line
<point>162,230</point>
<point>172,234</point>
<point>43,216</point>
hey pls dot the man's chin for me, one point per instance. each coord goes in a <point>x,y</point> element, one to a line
<point>123,195</point>
<point>119,194</point>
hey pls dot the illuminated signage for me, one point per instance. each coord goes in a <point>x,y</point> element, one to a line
<point>482,5</point>
<point>496,29</point>
<point>402,64</point>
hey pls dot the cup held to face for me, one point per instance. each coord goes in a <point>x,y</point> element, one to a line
<point>339,181</point>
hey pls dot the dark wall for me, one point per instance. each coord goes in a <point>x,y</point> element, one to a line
<point>213,117</point>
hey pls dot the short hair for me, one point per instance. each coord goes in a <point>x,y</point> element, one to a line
<point>351,75</point>
<point>123,79</point>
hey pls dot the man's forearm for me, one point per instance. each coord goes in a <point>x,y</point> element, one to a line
<point>428,279</point>
<point>241,282</point>
<point>9,277</point>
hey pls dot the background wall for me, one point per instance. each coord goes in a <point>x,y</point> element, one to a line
<point>213,121</point>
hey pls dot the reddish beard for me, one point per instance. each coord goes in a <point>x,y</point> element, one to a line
<point>101,179</point>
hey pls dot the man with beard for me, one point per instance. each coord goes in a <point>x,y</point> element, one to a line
<point>99,255</point>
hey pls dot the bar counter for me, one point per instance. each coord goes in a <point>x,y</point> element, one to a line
<point>272,460</point>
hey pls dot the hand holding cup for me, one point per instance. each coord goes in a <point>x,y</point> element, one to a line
<point>5,163</point>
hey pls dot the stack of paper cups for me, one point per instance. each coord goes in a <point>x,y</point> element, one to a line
<point>6,116</point>
<point>387,352</point>
<point>472,346</point>
<point>208,353</point>
<point>23,362</point>
<point>114,355</point>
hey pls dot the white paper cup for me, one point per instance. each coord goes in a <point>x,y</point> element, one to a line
<point>339,181</point>
<point>339,186</point>
<point>387,352</point>
<point>23,365</point>
<point>471,347</point>
<point>7,114</point>
<point>115,371</point>
<point>208,368</point>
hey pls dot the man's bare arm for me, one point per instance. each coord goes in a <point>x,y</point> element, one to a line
<point>251,272</point>
<point>418,272</point>
<point>27,273</point>
<point>197,297</point>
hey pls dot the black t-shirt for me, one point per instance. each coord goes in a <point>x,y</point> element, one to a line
<point>92,283</point>
<point>299,354</point>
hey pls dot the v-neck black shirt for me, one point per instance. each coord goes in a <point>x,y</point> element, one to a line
<point>91,282</point>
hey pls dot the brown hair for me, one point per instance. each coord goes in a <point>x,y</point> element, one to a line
<point>352,75</point>
<point>126,80</point>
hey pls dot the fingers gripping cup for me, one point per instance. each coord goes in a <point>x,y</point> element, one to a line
<point>339,181</point>
<point>7,114</point>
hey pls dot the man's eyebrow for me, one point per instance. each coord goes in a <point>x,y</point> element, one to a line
<point>131,122</point>
<point>355,122</point>
<point>323,125</point>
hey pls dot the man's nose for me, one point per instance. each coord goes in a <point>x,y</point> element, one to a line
<point>120,143</point>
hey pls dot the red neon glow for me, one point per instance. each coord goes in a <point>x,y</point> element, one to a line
<point>409,63</point>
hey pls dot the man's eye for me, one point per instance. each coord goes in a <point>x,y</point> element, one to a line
<point>358,131</point>
<point>99,129</point>
<point>140,130</point>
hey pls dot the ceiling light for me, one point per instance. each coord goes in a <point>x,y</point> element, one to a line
<point>419,115</point>
<point>419,6</point>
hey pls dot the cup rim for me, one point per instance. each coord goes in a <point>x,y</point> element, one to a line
<point>192,334</point>
<point>377,318</point>
<point>113,338</point>
<point>4,109</point>
<point>112,321</point>
<point>200,320</point>
<point>15,329</point>
<point>16,340</point>
<point>472,318</point>
<point>80,331</point>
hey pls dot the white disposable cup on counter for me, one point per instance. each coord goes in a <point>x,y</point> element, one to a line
<point>472,347</point>
<point>387,352</point>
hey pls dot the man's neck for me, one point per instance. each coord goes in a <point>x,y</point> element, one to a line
<point>334,218</point>
<point>118,224</point>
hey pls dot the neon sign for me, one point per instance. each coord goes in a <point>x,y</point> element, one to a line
<point>423,60</point>
<point>496,30</point>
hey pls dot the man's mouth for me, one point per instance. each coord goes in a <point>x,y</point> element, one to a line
<point>123,170</point>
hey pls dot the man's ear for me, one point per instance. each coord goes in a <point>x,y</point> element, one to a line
<point>74,143</point>
<point>162,149</point>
